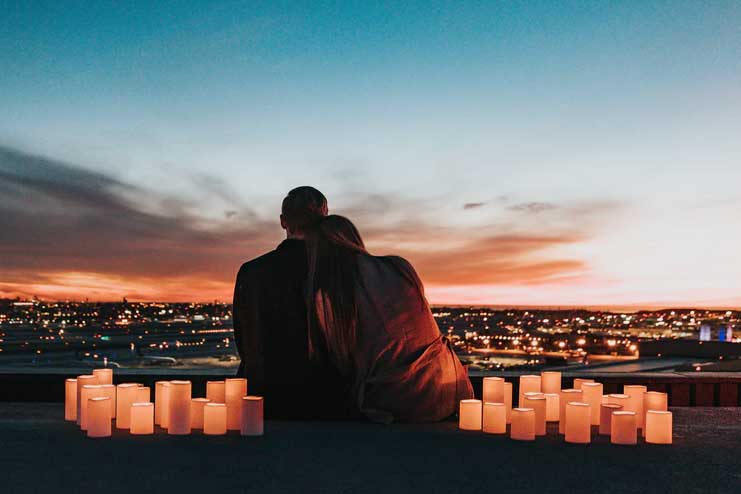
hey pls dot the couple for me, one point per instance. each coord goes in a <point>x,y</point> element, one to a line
<point>326,330</point>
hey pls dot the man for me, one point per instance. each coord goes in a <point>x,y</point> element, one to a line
<point>270,322</point>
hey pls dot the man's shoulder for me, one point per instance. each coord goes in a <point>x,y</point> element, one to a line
<point>258,264</point>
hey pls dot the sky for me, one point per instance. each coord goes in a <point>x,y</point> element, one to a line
<point>522,153</point>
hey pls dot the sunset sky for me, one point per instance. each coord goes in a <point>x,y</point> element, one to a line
<point>530,153</point>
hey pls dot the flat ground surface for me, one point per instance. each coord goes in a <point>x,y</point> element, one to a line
<point>39,452</point>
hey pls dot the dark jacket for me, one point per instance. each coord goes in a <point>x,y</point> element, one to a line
<point>270,331</point>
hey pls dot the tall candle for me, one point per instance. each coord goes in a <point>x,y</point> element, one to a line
<point>635,400</point>
<point>143,394</point>
<point>161,403</point>
<point>593,396</point>
<point>552,406</point>
<point>508,400</point>
<point>579,381</point>
<point>142,418</point>
<point>215,391</point>
<point>578,419</point>
<point>605,419</point>
<point>234,389</point>
<point>88,391</point>
<point>214,419</point>
<point>70,399</point>
<point>523,424</point>
<point>653,400</point>
<point>469,415</point>
<point>567,395</point>
<point>125,395</point>
<point>550,382</point>
<point>105,376</point>
<point>495,418</point>
<point>196,412</point>
<point>658,427</point>
<point>180,398</point>
<point>251,423</point>
<point>536,401</point>
<point>528,384</point>
<point>98,417</point>
<point>623,428</point>
<point>493,390</point>
<point>109,390</point>
<point>82,381</point>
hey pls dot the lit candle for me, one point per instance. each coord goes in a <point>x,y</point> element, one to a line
<point>567,395</point>
<point>635,401</point>
<point>98,417</point>
<point>82,381</point>
<point>536,401</point>
<point>493,390</point>
<point>88,391</point>
<point>125,395</point>
<point>70,399</point>
<point>251,423</point>
<point>579,381</point>
<point>508,400</point>
<point>658,427</point>
<point>196,412</point>
<point>605,399</point>
<point>214,419</point>
<point>654,400</point>
<point>180,398</point>
<point>605,419</point>
<point>623,428</point>
<point>593,396</point>
<point>528,384</point>
<point>578,419</point>
<point>495,418</point>
<point>550,381</point>
<point>161,403</point>
<point>109,390</point>
<point>523,424</point>
<point>469,415</point>
<point>215,391</point>
<point>105,376</point>
<point>234,389</point>
<point>619,399</point>
<point>552,406</point>
<point>142,418</point>
<point>143,394</point>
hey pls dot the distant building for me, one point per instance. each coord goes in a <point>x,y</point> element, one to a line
<point>714,331</point>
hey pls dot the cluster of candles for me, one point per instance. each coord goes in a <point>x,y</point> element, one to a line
<point>541,400</point>
<point>94,402</point>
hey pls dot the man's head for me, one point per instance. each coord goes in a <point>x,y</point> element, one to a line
<point>301,209</point>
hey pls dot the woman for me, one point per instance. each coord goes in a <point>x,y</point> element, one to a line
<point>377,328</point>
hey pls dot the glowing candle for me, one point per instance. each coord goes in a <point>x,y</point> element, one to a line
<point>125,395</point>
<point>653,400</point>
<point>578,419</point>
<point>528,384</point>
<point>619,399</point>
<point>143,394</point>
<point>593,396</point>
<point>493,390</point>
<point>552,406</point>
<point>180,398</point>
<point>495,418</point>
<point>658,427</point>
<point>623,428</point>
<point>109,390</point>
<point>579,381</point>
<point>536,401</point>
<point>469,415</point>
<point>82,381</point>
<point>605,399</point>
<point>523,424</point>
<point>605,419</point>
<point>142,418</point>
<point>214,419</point>
<point>508,400</point>
<point>550,382</point>
<point>234,389</point>
<point>105,376</point>
<point>215,391</point>
<point>70,399</point>
<point>88,391</point>
<point>196,412</point>
<point>251,423</point>
<point>161,403</point>
<point>635,401</point>
<point>567,395</point>
<point>98,417</point>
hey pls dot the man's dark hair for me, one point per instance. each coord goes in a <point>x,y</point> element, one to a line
<point>303,207</point>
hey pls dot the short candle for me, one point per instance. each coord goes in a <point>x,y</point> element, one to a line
<point>635,400</point>
<point>536,401</point>
<point>593,396</point>
<point>567,395</point>
<point>88,391</point>
<point>99,417</point>
<point>550,381</point>
<point>196,412</point>
<point>142,418</point>
<point>70,399</point>
<point>495,418</point>
<point>215,391</point>
<point>179,401</point>
<point>605,419</point>
<point>234,389</point>
<point>493,390</point>
<point>508,400</point>
<point>528,384</point>
<point>658,427</point>
<point>469,415</point>
<point>523,424</point>
<point>251,423</point>
<point>105,376</point>
<point>552,406</point>
<point>623,428</point>
<point>82,381</point>
<point>578,419</point>
<point>125,395</point>
<point>618,399</point>
<point>653,400</point>
<point>214,419</point>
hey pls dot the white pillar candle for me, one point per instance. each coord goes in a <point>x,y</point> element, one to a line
<point>550,382</point>
<point>109,390</point>
<point>493,390</point>
<point>567,395</point>
<point>552,406</point>
<point>658,427</point>
<point>179,417</point>
<point>508,400</point>
<point>143,394</point>
<point>161,403</point>
<point>88,391</point>
<point>142,418</point>
<point>196,412</point>
<point>214,419</point>
<point>528,384</point>
<point>578,427</point>
<point>70,399</point>
<point>623,428</point>
<point>251,423</point>
<point>536,401</point>
<point>653,400</point>
<point>215,391</point>
<point>495,418</point>
<point>523,424</point>
<point>579,381</point>
<point>234,389</point>
<point>635,400</point>
<point>82,381</point>
<point>98,417</point>
<point>125,396</point>
<point>470,415</point>
<point>105,376</point>
<point>605,418</point>
<point>593,396</point>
